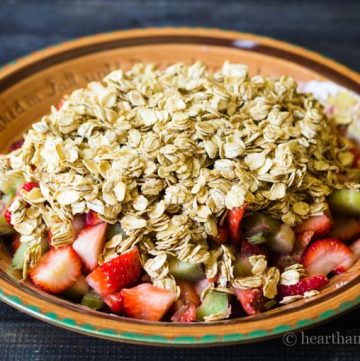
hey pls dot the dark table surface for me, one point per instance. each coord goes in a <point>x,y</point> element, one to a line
<point>326,26</point>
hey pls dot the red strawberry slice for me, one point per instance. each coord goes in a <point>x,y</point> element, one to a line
<point>252,300</point>
<point>320,225</point>
<point>29,186</point>
<point>115,301</point>
<point>89,244</point>
<point>16,145</point>
<point>327,255</point>
<point>57,270</point>
<point>116,274</point>
<point>346,229</point>
<point>7,215</point>
<point>184,314</point>
<point>222,236</point>
<point>304,239</point>
<point>147,302</point>
<point>92,219</point>
<point>314,282</point>
<point>186,304</point>
<point>233,220</point>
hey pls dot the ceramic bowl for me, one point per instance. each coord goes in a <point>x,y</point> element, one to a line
<point>29,86</point>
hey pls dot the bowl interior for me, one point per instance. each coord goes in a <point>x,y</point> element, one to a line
<point>29,88</point>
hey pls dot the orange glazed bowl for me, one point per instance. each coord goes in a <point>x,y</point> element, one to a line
<point>31,85</point>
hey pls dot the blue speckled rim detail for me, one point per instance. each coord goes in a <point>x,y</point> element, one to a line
<point>184,340</point>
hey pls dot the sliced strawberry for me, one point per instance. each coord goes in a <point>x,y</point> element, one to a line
<point>320,225</point>
<point>16,145</point>
<point>252,300</point>
<point>116,274</point>
<point>147,302</point>
<point>327,255</point>
<point>29,186</point>
<point>302,241</point>
<point>92,219</point>
<point>187,303</point>
<point>314,282</point>
<point>346,229</point>
<point>115,301</point>
<point>57,270</point>
<point>185,313</point>
<point>233,220</point>
<point>89,244</point>
<point>7,216</point>
<point>222,236</point>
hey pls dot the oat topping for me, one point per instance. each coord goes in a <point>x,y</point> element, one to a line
<point>167,153</point>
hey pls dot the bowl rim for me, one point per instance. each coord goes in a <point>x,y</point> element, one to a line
<point>42,309</point>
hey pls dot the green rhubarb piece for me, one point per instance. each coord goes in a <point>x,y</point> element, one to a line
<point>92,300</point>
<point>9,189</point>
<point>18,259</point>
<point>345,202</point>
<point>242,266</point>
<point>260,228</point>
<point>11,185</point>
<point>114,230</point>
<point>283,240</point>
<point>258,238</point>
<point>214,303</point>
<point>77,290</point>
<point>257,223</point>
<point>185,271</point>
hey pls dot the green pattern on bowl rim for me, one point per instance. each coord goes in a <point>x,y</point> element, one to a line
<point>71,324</point>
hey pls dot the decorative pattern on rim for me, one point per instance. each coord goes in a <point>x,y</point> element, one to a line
<point>208,339</point>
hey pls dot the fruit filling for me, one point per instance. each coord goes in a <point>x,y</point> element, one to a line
<point>185,194</point>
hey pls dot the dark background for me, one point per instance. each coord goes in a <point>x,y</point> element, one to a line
<point>326,26</point>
